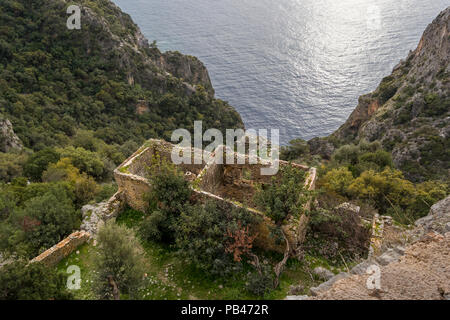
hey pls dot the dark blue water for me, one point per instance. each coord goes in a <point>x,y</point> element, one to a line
<point>295,65</point>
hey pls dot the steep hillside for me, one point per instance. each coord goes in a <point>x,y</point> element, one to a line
<point>105,77</point>
<point>409,111</point>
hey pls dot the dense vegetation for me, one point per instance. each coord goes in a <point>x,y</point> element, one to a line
<point>54,80</point>
<point>19,281</point>
<point>365,173</point>
<point>81,101</point>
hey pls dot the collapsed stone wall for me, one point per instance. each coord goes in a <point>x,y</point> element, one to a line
<point>207,179</point>
<point>55,254</point>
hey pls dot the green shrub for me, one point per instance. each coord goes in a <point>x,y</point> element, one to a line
<point>38,162</point>
<point>387,90</point>
<point>22,281</point>
<point>120,258</point>
<point>295,150</point>
<point>202,235</point>
<point>260,284</point>
<point>286,195</point>
<point>338,180</point>
<point>153,227</point>
<point>52,217</point>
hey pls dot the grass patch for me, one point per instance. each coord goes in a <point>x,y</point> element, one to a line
<point>82,257</point>
<point>169,278</point>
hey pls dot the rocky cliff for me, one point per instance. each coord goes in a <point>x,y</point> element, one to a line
<point>104,77</point>
<point>409,111</point>
<point>144,62</point>
<point>8,139</point>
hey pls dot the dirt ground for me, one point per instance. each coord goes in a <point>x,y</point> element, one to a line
<point>423,273</point>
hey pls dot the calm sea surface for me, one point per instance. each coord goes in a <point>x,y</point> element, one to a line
<point>295,65</point>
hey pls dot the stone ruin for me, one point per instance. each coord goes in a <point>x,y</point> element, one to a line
<point>232,184</point>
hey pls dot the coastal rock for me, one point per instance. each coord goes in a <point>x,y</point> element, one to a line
<point>408,112</point>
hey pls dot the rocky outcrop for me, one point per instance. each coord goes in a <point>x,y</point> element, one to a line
<point>409,111</point>
<point>437,221</point>
<point>95,215</point>
<point>422,273</point>
<point>143,62</point>
<point>418,270</point>
<point>8,139</point>
<point>187,68</point>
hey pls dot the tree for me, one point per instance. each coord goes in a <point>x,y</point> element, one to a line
<point>284,196</point>
<point>35,281</point>
<point>296,149</point>
<point>38,162</point>
<point>85,187</point>
<point>119,264</point>
<point>86,161</point>
<point>338,180</point>
<point>385,189</point>
<point>10,166</point>
<point>55,215</point>
<point>170,194</point>
<point>202,235</point>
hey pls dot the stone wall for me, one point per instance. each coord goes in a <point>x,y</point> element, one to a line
<point>55,254</point>
<point>208,181</point>
<point>131,174</point>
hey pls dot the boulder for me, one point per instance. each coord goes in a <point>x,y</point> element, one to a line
<point>388,257</point>
<point>438,220</point>
<point>323,273</point>
<point>295,290</point>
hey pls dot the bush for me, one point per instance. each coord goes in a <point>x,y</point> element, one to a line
<point>10,166</point>
<point>331,225</point>
<point>338,180</point>
<point>260,284</point>
<point>38,162</point>
<point>119,261</point>
<point>201,235</point>
<point>48,219</point>
<point>387,90</point>
<point>286,195</point>
<point>170,194</point>
<point>297,149</point>
<point>86,161</point>
<point>106,191</point>
<point>22,281</point>
<point>170,188</point>
<point>152,228</point>
<point>85,188</point>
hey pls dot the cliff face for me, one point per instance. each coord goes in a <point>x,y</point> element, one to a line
<point>409,111</point>
<point>104,77</point>
<point>8,139</point>
<point>143,62</point>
